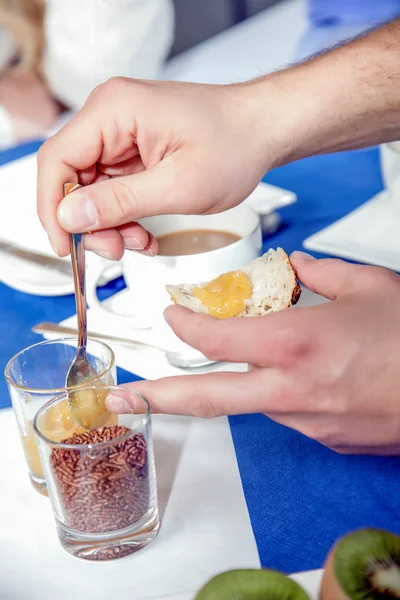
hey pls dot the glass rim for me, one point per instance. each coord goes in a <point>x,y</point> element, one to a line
<point>30,390</point>
<point>111,442</point>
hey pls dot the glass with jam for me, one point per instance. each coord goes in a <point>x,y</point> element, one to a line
<point>36,375</point>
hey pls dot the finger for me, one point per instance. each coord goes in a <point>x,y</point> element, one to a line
<point>126,167</point>
<point>273,340</point>
<point>97,178</point>
<point>152,246</point>
<point>108,244</point>
<point>60,160</point>
<point>382,450</point>
<point>125,199</point>
<point>328,277</point>
<point>206,396</point>
<point>88,175</point>
<point>134,236</point>
<point>72,154</point>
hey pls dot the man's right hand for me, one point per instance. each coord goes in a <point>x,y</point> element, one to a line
<point>147,148</point>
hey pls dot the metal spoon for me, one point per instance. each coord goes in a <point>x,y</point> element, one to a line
<point>88,405</point>
<point>184,359</point>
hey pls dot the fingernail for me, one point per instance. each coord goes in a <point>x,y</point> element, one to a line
<point>147,252</point>
<point>55,249</point>
<point>302,255</point>
<point>77,213</point>
<point>166,316</point>
<point>118,405</point>
<point>131,243</point>
<point>106,255</point>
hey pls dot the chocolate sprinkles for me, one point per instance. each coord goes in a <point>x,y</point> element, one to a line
<point>102,489</point>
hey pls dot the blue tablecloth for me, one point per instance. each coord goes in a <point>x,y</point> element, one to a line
<point>300,495</point>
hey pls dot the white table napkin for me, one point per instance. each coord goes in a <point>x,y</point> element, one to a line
<point>20,226</point>
<point>205,523</point>
<point>19,223</point>
<point>369,234</point>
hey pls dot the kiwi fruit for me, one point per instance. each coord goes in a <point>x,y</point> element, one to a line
<point>251,584</point>
<point>364,565</point>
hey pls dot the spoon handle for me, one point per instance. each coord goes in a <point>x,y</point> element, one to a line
<point>78,271</point>
<point>48,327</point>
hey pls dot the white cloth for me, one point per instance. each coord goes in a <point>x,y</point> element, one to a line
<point>89,41</point>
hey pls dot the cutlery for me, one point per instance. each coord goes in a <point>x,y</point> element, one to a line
<point>184,359</point>
<point>36,258</point>
<point>88,405</point>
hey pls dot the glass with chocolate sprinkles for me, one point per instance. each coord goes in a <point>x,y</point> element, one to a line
<point>102,483</point>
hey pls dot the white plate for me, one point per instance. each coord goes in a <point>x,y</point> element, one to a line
<point>42,281</point>
<point>369,234</point>
<point>20,226</point>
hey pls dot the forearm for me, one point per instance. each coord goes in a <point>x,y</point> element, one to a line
<point>348,98</point>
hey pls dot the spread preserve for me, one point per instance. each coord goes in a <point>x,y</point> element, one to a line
<point>225,296</point>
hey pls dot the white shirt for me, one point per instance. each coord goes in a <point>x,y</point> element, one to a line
<point>89,41</point>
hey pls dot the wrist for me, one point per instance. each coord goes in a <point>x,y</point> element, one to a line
<point>275,118</point>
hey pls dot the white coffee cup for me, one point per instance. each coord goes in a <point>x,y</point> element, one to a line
<point>146,276</point>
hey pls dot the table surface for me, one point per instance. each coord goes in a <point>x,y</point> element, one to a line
<point>300,496</point>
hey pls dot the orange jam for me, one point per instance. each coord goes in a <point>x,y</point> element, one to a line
<point>88,406</point>
<point>225,296</point>
<point>57,426</point>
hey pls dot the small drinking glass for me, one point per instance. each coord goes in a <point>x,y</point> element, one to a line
<point>102,483</point>
<point>35,376</point>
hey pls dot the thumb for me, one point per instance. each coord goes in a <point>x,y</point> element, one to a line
<point>328,277</point>
<point>125,199</point>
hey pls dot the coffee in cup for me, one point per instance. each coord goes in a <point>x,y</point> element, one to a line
<point>194,241</point>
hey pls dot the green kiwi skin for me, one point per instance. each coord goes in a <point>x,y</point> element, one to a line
<point>355,557</point>
<point>251,584</point>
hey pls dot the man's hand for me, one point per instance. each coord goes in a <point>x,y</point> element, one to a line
<point>148,148</point>
<point>329,371</point>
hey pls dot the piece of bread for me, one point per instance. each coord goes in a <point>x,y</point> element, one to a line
<point>273,281</point>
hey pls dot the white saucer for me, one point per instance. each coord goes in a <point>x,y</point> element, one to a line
<point>42,281</point>
<point>33,279</point>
